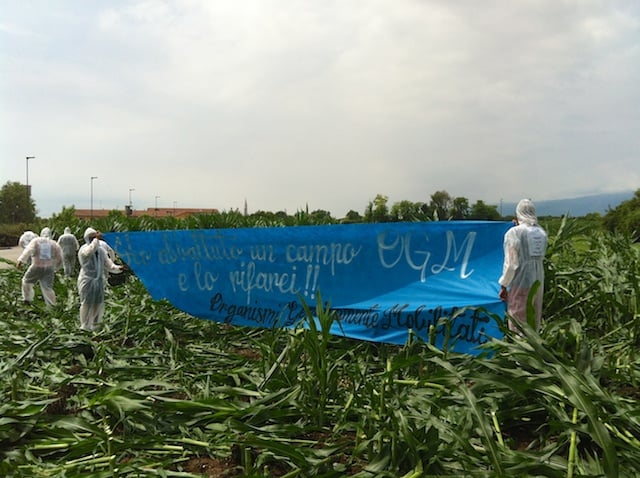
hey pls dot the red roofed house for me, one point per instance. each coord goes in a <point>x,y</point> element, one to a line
<point>179,212</point>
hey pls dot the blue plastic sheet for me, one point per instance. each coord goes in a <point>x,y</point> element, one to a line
<point>383,280</point>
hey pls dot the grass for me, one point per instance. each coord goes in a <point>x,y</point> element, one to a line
<point>160,393</point>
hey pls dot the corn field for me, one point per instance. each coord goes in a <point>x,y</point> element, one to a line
<point>158,393</point>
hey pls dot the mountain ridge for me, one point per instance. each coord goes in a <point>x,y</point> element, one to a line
<point>576,206</point>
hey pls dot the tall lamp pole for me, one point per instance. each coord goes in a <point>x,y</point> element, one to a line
<point>28,191</point>
<point>155,214</point>
<point>92,178</point>
<point>129,207</point>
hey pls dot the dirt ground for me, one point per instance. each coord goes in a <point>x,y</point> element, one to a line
<point>9,254</point>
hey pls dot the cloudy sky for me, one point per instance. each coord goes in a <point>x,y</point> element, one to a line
<point>289,104</point>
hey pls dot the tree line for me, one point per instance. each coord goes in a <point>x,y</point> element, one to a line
<point>441,207</point>
<point>18,208</point>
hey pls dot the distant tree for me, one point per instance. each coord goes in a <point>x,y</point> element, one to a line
<point>68,214</point>
<point>460,209</point>
<point>16,206</point>
<point>377,210</point>
<point>263,217</point>
<point>319,216</point>
<point>427,212</point>
<point>482,211</point>
<point>368,212</point>
<point>625,218</point>
<point>281,215</point>
<point>352,216</point>
<point>268,218</point>
<point>66,218</point>
<point>441,203</point>
<point>407,211</point>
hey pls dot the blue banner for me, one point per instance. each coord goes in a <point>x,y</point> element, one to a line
<point>383,280</point>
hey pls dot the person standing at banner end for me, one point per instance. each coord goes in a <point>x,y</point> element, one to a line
<point>525,246</point>
<point>69,245</point>
<point>94,261</point>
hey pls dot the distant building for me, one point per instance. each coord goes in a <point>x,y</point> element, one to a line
<point>178,212</point>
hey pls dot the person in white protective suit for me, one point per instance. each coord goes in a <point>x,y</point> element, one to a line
<point>94,261</point>
<point>44,257</point>
<point>25,239</point>
<point>110,252</point>
<point>525,246</point>
<point>69,245</point>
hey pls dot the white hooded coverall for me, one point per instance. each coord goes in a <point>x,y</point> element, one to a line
<point>25,239</point>
<point>45,257</point>
<point>94,260</point>
<point>525,246</point>
<point>69,245</point>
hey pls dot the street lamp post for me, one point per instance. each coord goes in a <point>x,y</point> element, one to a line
<point>129,207</point>
<point>28,191</point>
<point>92,178</point>
<point>155,214</point>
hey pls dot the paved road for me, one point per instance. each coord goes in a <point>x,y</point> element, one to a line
<point>11,254</point>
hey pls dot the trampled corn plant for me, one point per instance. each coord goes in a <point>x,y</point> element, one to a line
<point>321,371</point>
<point>156,392</point>
<point>558,394</point>
<point>397,421</point>
<point>594,282</point>
<point>592,277</point>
